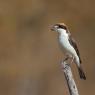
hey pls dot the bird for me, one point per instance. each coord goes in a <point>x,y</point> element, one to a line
<point>69,46</point>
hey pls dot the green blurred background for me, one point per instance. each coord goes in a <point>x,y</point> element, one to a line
<point>29,51</point>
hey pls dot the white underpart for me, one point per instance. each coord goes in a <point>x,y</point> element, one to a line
<point>66,46</point>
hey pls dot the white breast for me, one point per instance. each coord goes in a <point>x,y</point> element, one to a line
<point>66,46</point>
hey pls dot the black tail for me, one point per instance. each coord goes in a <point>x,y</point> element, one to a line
<point>81,73</point>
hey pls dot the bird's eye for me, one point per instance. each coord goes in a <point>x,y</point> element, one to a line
<point>62,26</point>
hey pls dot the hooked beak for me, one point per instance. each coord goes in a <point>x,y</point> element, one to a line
<point>52,28</point>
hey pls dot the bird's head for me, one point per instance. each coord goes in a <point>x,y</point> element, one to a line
<point>60,28</point>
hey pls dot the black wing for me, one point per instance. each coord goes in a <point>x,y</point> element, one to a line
<point>73,43</point>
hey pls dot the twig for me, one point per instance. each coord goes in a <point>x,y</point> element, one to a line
<point>69,78</point>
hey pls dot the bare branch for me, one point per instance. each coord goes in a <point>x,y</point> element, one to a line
<point>69,78</point>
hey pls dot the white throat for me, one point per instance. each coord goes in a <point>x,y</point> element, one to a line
<point>62,32</point>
